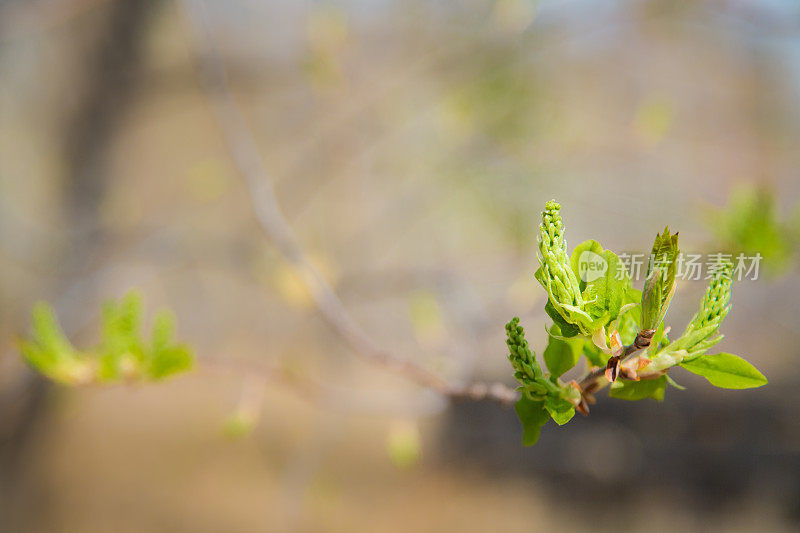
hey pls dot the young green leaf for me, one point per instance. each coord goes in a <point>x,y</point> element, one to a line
<point>582,269</point>
<point>163,330</point>
<point>560,409</point>
<point>51,353</point>
<point>639,390</point>
<point>168,361</point>
<point>692,337</point>
<point>660,283</point>
<point>167,358</point>
<point>726,370</point>
<point>567,329</point>
<point>627,325</point>
<point>561,355</point>
<point>674,383</point>
<point>47,332</point>
<point>652,296</point>
<point>605,293</point>
<point>594,355</point>
<point>533,417</point>
<point>121,348</point>
<point>663,361</point>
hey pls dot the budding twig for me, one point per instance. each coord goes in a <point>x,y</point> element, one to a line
<point>643,339</point>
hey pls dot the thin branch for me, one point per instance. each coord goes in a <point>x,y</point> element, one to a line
<point>325,396</point>
<point>642,341</point>
<point>244,153</point>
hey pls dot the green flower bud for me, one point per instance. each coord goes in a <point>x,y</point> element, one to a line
<point>526,369</point>
<point>702,333</point>
<point>715,306</point>
<point>563,285</point>
<point>534,384</point>
<point>521,357</point>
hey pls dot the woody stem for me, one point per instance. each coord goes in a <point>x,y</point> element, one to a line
<point>642,341</point>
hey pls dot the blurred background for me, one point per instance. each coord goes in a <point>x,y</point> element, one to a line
<point>412,146</point>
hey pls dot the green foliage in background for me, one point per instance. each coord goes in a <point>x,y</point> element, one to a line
<point>122,355</point>
<point>751,223</point>
<point>594,309</point>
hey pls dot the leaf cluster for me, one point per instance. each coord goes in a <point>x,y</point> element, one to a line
<point>593,316</point>
<point>123,354</point>
<point>579,302</point>
<point>751,223</point>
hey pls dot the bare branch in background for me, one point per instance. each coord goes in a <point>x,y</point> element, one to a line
<point>268,213</point>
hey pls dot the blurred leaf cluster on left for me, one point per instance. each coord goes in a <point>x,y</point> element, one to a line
<point>123,354</point>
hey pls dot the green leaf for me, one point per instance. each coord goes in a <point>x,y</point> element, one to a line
<point>580,273</point>
<point>121,348</point>
<point>727,371</point>
<point>659,340</point>
<point>163,330</point>
<point>567,329</point>
<point>627,325</point>
<point>561,417</point>
<point>560,409</point>
<point>691,338</point>
<point>639,390</point>
<point>674,383</point>
<point>663,360</point>
<point>166,357</point>
<point>651,299</point>
<point>51,353</point>
<point>561,355</point>
<point>664,254</point>
<point>660,284</point>
<point>533,416</point>
<point>48,333</point>
<point>594,355</point>
<point>604,283</point>
<point>633,295</point>
<point>605,295</point>
<point>169,361</point>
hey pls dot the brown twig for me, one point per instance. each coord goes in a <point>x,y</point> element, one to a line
<point>642,341</point>
<point>246,158</point>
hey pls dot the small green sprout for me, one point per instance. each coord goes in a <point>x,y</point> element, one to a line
<point>122,355</point>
